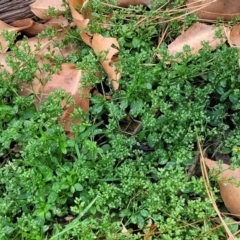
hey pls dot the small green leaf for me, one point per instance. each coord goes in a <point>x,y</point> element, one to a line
<point>48,216</point>
<point>144,213</point>
<point>78,187</point>
<point>232,224</point>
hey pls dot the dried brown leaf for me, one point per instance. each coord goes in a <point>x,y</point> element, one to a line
<point>235,35</point>
<point>99,44</point>
<point>32,29</point>
<point>69,80</point>
<point>127,3</point>
<point>40,7</point>
<point>50,46</point>
<point>26,23</point>
<point>229,192</point>
<point>80,20</point>
<point>214,9</point>
<point>194,36</point>
<point>3,26</point>
<point>46,47</point>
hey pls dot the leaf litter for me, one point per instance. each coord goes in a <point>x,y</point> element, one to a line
<point>68,78</point>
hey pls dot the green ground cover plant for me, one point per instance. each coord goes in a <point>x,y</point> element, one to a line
<point>105,180</point>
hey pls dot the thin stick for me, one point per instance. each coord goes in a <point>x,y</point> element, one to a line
<point>162,38</point>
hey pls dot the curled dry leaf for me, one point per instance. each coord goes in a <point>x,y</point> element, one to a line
<point>32,28</point>
<point>110,46</point>
<point>235,35</point>
<point>127,3</point>
<point>26,23</point>
<point>99,44</point>
<point>195,35</point>
<point>3,26</point>
<point>214,9</point>
<point>229,192</point>
<point>40,7</point>
<point>80,22</point>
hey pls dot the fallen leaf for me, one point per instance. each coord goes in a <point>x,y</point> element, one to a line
<point>33,28</point>
<point>40,8</point>
<point>26,23</point>
<point>3,26</point>
<point>81,23</point>
<point>194,36</point>
<point>80,20</point>
<point>69,80</point>
<point>47,46</point>
<point>235,35</point>
<point>229,192</point>
<point>101,45</point>
<point>109,46</point>
<point>127,3</point>
<point>214,9</point>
